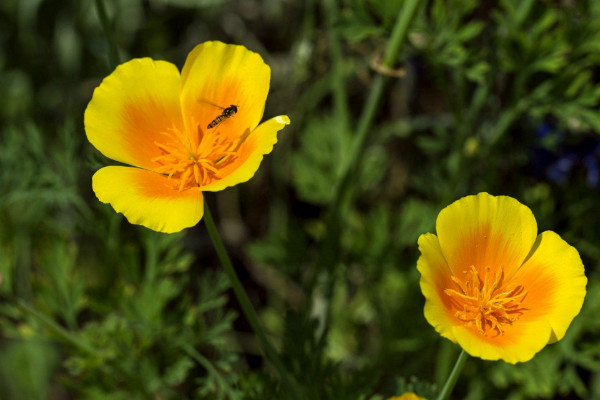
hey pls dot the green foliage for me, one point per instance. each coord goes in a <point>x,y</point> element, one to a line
<point>325,148</point>
<point>495,96</point>
<point>138,320</point>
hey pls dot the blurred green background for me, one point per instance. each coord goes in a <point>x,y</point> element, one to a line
<point>487,96</point>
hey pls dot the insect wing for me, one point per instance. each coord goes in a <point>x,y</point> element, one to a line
<point>210,103</point>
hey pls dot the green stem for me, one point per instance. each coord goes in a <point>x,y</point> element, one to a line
<point>113,55</point>
<point>445,356</point>
<point>22,249</point>
<point>200,359</point>
<point>400,31</point>
<point>453,377</point>
<point>59,330</point>
<point>151,254</point>
<point>72,338</point>
<point>335,49</point>
<point>247,307</point>
<point>343,192</point>
<point>523,11</point>
<point>399,34</point>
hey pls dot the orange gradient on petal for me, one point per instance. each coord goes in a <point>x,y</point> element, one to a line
<point>136,122</point>
<point>475,294</point>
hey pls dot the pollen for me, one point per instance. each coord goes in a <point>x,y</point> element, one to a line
<point>484,300</point>
<point>195,160</point>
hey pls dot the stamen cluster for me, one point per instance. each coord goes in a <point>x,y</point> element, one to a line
<point>194,165</point>
<point>483,300</point>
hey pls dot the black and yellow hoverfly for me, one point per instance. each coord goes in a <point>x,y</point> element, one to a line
<point>227,113</point>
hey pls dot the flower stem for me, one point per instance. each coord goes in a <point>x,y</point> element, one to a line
<point>58,330</point>
<point>399,34</point>
<point>344,190</point>
<point>74,339</point>
<point>247,308</point>
<point>113,55</point>
<point>453,377</point>
<point>340,99</point>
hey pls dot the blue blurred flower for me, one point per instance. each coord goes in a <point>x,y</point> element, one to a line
<point>559,171</point>
<point>593,172</point>
<point>543,130</point>
<point>559,162</point>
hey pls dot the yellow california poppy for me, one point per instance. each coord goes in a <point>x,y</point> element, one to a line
<point>493,285</point>
<point>182,134</point>
<point>407,396</point>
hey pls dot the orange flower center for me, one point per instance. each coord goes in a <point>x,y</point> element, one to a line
<point>195,165</point>
<point>483,300</point>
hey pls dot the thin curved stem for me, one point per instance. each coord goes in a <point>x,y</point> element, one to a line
<point>113,55</point>
<point>340,99</point>
<point>247,308</point>
<point>453,377</point>
<point>64,334</point>
<point>327,257</point>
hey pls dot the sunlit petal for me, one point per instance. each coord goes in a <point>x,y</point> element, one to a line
<point>258,143</point>
<point>147,198</point>
<point>217,75</point>
<point>132,109</point>
<point>519,342</point>
<point>486,231</point>
<point>435,277</point>
<point>555,280</point>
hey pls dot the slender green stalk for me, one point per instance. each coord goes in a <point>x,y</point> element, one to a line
<point>443,366</point>
<point>113,55</point>
<point>453,377</point>
<point>344,190</point>
<point>73,339</point>
<point>399,34</point>
<point>395,44</point>
<point>523,11</point>
<point>59,330</point>
<point>200,359</point>
<point>247,308</point>
<point>22,248</point>
<point>340,99</point>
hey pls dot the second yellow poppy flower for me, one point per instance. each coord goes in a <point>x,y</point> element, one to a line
<point>493,285</point>
<point>407,396</point>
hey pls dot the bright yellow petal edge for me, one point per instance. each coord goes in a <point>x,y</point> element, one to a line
<point>435,276</point>
<point>147,198</point>
<point>131,109</point>
<point>407,396</point>
<point>538,299</point>
<point>222,74</point>
<point>485,229</point>
<point>259,143</point>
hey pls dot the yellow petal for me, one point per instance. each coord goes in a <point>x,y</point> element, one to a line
<point>435,277</point>
<point>132,108</point>
<point>407,396</point>
<point>519,343</point>
<point>217,75</point>
<point>147,198</point>
<point>486,231</point>
<point>554,278</point>
<point>257,144</point>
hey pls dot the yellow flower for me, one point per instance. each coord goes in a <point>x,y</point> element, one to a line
<point>407,396</point>
<point>182,134</point>
<point>494,286</point>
